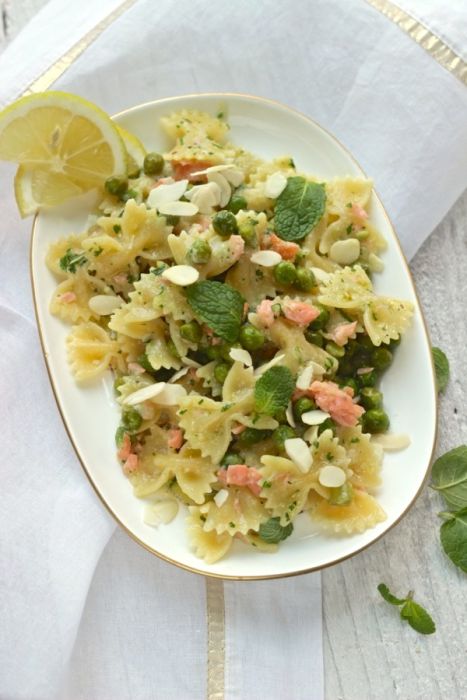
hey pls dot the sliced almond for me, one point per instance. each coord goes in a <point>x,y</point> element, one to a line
<point>364,370</point>
<point>392,441</point>
<point>181,275</point>
<point>166,193</point>
<point>223,185</point>
<point>191,363</point>
<point>205,196</point>
<point>311,434</point>
<point>315,417</point>
<point>345,252</point>
<point>221,497</point>
<point>178,208</point>
<point>275,185</point>
<point>259,423</point>
<point>266,258</point>
<point>331,476</point>
<point>320,275</point>
<point>305,377</point>
<point>161,512</point>
<point>277,359</point>
<point>144,394</point>
<point>104,304</point>
<point>213,169</point>
<point>178,375</point>
<point>240,355</point>
<point>289,415</point>
<point>234,176</point>
<point>375,264</point>
<point>171,395</point>
<point>299,453</point>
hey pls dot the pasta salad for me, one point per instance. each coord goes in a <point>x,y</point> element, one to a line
<point>232,298</point>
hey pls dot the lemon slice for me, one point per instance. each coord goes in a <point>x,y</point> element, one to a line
<point>135,150</point>
<point>65,146</point>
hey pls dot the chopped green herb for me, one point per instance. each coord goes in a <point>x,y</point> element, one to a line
<point>71,261</point>
<point>416,616</point>
<point>117,228</point>
<point>97,251</point>
<point>266,484</point>
<point>226,407</point>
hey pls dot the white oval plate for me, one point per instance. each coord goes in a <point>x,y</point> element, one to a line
<point>91,416</point>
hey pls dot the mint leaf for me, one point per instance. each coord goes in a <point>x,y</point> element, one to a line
<point>219,306</point>
<point>299,208</point>
<point>273,390</point>
<point>449,476</point>
<point>453,534</point>
<point>388,597</point>
<point>417,617</point>
<point>272,531</point>
<point>441,364</point>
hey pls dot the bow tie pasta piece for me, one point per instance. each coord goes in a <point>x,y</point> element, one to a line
<point>198,137</point>
<point>58,250</point>
<point>252,281</point>
<point>195,474</point>
<point>151,477</point>
<point>326,450</point>
<point>255,189</point>
<point>239,383</point>
<point>297,350</point>
<point>209,381</point>
<point>70,301</point>
<point>386,319</point>
<point>284,487</point>
<point>365,457</point>
<point>362,513</point>
<point>90,351</point>
<point>241,512</point>
<point>344,191</point>
<point>349,288</point>
<point>207,545</point>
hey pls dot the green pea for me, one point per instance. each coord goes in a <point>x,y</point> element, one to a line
<point>231,458</point>
<point>371,398</point>
<point>172,219</point>
<point>283,433</point>
<point>251,436</point>
<point>341,495</point>
<point>305,279</point>
<point>143,360</point>
<point>236,203</point>
<point>346,368</point>
<point>133,174</point>
<point>281,416</point>
<point>153,164</point>
<point>118,381</point>
<point>172,348</point>
<point>320,321</point>
<point>131,420</point>
<point>191,331</point>
<point>221,371</point>
<point>349,381</point>
<point>328,424</point>
<point>285,273</point>
<point>365,341</point>
<point>214,352</point>
<point>335,350</point>
<point>368,379</point>
<point>129,194</point>
<point>199,252</point>
<point>119,435</point>
<point>375,421</point>
<point>248,232</point>
<point>314,338</point>
<point>303,405</point>
<point>381,358</point>
<point>395,343</point>
<point>116,186</point>
<point>225,224</point>
<point>251,338</point>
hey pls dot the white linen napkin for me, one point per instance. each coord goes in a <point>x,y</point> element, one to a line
<point>143,632</point>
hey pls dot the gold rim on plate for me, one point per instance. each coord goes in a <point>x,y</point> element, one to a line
<point>275,103</point>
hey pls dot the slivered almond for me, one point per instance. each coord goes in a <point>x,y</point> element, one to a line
<point>320,275</point>
<point>375,264</point>
<point>221,497</point>
<point>171,395</point>
<point>345,252</point>
<point>299,453</point>
<point>166,193</point>
<point>240,355</point>
<point>264,368</point>
<point>161,512</point>
<point>311,434</point>
<point>223,185</point>
<point>181,275</point>
<point>331,476</point>
<point>147,392</point>
<point>178,375</point>
<point>305,377</point>
<point>178,208</point>
<point>275,185</point>
<point>234,176</point>
<point>314,417</point>
<point>289,415</point>
<point>266,258</point>
<point>205,196</point>
<point>104,304</point>
<point>392,441</point>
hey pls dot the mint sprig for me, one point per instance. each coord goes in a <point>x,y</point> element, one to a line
<point>417,617</point>
<point>273,390</point>
<point>273,532</point>
<point>299,208</point>
<point>449,477</point>
<point>453,535</point>
<point>219,306</point>
<point>442,371</point>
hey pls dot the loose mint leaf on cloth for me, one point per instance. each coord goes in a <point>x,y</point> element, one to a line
<point>219,306</point>
<point>273,390</point>
<point>417,617</point>
<point>441,364</point>
<point>272,531</point>
<point>453,536</point>
<point>449,477</point>
<point>388,597</point>
<point>299,208</point>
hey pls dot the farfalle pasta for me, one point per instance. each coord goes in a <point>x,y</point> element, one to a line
<point>232,299</point>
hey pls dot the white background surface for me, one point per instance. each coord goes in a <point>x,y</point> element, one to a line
<point>369,654</point>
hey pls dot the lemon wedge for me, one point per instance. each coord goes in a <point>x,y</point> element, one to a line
<point>135,150</point>
<point>64,145</point>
